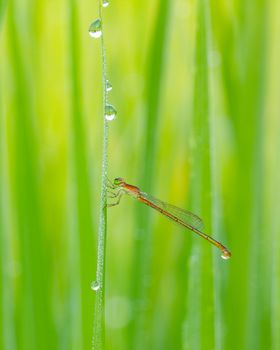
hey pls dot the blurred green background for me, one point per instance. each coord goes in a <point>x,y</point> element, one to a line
<point>196,85</point>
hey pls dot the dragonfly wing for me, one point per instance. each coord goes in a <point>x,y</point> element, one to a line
<point>184,215</point>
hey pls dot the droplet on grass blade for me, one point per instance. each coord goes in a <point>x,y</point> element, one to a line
<point>110,112</point>
<point>95,29</point>
<point>105,3</point>
<point>226,255</point>
<point>95,286</point>
<point>109,86</point>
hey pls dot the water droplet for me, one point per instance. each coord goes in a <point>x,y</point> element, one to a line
<point>110,112</point>
<point>105,3</point>
<point>95,286</point>
<point>226,255</point>
<point>109,86</point>
<point>95,29</point>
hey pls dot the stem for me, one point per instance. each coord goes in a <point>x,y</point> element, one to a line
<point>99,319</point>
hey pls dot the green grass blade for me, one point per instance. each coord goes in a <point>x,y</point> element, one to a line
<point>243,69</point>
<point>98,340</point>
<point>84,230</point>
<point>7,263</point>
<point>142,250</point>
<point>272,174</point>
<point>3,5</point>
<point>199,329</point>
<point>2,239</point>
<point>258,324</point>
<point>33,288</point>
<point>7,320</point>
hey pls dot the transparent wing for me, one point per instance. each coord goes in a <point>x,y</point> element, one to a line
<point>184,215</point>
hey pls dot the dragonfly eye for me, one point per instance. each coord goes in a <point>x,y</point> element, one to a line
<point>118,181</point>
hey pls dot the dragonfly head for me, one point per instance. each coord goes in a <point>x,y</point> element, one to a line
<point>119,181</point>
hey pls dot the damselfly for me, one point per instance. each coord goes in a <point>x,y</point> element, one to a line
<point>180,216</point>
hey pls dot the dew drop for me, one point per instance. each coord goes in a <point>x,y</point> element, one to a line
<point>95,286</point>
<point>109,86</point>
<point>95,29</point>
<point>226,255</point>
<point>110,112</point>
<point>105,3</point>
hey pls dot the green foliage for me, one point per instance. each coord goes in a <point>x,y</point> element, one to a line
<point>196,86</point>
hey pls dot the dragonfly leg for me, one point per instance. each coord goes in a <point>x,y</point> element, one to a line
<point>114,194</point>
<point>119,196</point>
<point>110,184</point>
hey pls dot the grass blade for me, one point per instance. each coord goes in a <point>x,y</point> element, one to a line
<point>7,263</point>
<point>32,330</point>
<point>142,250</point>
<point>243,69</point>
<point>199,331</point>
<point>98,342</point>
<point>83,211</point>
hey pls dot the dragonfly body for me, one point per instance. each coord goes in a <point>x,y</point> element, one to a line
<point>182,217</point>
<point>132,191</point>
